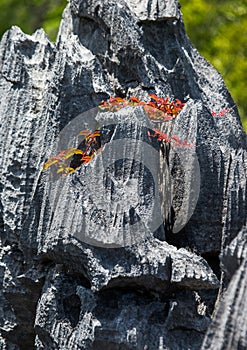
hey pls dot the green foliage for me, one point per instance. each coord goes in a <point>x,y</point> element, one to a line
<point>30,15</point>
<point>218,29</point>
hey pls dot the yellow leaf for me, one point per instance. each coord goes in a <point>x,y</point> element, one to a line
<point>78,151</point>
<point>71,151</point>
<point>49,162</point>
<point>61,169</point>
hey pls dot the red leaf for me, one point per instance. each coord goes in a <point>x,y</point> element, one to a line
<point>86,159</point>
<point>154,97</point>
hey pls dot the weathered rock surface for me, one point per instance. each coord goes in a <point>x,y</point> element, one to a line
<point>122,254</point>
<point>228,329</point>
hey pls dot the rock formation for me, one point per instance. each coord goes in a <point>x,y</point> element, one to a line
<point>142,248</point>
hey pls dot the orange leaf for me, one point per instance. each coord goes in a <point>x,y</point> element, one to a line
<point>86,159</point>
<point>116,99</point>
<point>84,132</point>
<point>154,97</point>
<point>134,99</point>
<point>96,133</point>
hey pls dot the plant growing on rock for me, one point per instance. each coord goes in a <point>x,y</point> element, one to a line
<point>158,109</point>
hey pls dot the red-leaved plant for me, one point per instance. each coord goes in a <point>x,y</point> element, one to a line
<point>158,109</point>
<point>63,160</point>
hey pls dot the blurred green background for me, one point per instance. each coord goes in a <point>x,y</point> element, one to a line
<point>32,14</point>
<point>217,28</point>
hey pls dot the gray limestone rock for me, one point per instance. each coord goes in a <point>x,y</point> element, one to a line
<point>124,252</point>
<point>228,329</point>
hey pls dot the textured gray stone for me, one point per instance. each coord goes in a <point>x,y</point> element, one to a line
<point>115,319</point>
<point>228,329</point>
<point>157,285</point>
